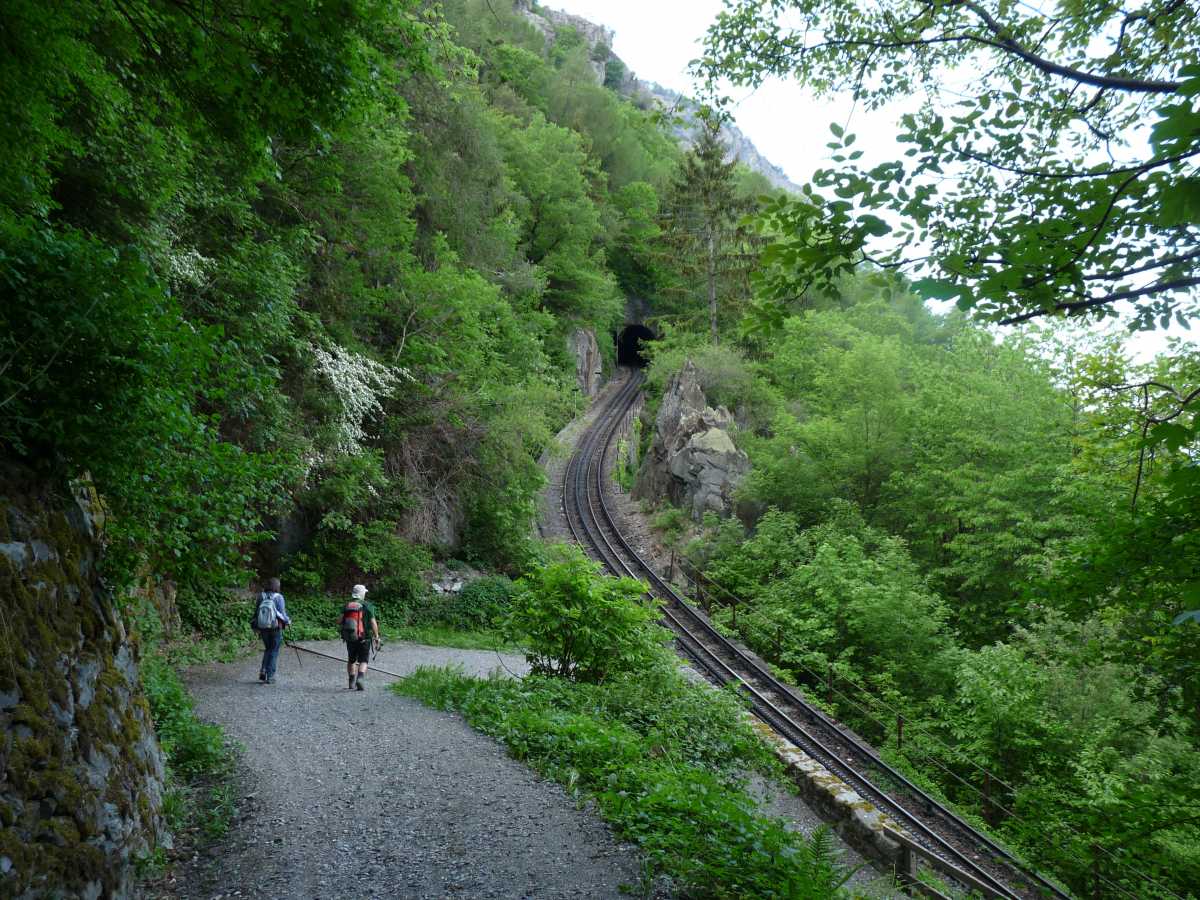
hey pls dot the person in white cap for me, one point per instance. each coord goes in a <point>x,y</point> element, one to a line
<point>360,630</point>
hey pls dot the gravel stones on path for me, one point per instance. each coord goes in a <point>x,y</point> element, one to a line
<point>349,794</point>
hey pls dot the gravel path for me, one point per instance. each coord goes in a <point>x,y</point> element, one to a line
<point>347,794</point>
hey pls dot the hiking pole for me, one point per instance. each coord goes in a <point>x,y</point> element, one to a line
<point>343,661</point>
<point>297,649</point>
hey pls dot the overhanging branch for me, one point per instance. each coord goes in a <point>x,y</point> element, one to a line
<point>1092,302</point>
<point>1004,41</point>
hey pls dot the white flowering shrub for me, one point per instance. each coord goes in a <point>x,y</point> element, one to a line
<point>188,268</point>
<point>359,384</point>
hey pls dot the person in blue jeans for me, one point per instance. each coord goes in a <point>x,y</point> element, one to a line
<point>270,618</point>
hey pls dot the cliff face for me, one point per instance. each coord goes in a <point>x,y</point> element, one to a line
<point>81,786</point>
<point>589,365</point>
<point>647,94</point>
<point>740,147</point>
<point>692,460</point>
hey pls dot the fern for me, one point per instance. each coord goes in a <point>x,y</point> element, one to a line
<point>819,855</point>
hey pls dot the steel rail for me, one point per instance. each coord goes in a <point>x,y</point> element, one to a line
<point>587,475</point>
<point>585,472</point>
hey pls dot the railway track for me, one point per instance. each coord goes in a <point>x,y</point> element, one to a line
<point>943,840</point>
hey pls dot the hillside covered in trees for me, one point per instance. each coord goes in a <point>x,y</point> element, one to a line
<point>273,270</point>
<point>290,288</point>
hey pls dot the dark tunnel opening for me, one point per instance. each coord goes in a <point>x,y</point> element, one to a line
<point>629,345</point>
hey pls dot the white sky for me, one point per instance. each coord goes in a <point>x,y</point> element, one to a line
<point>657,38</point>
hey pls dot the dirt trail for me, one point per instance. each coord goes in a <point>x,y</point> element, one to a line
<point>347,794</point>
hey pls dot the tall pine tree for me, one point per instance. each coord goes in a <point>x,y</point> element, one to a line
<point>701,231</point>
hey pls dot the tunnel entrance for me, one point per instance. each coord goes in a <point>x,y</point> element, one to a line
<point>629,345</point>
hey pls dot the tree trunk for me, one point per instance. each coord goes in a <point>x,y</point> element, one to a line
<point>712,285</point>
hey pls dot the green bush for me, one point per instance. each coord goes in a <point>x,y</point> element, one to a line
<point>482,603</point>
<point>314,617</point>
<point>663,759</point>
<point>345,551</point>
<point>102,374</point>
<point>580,624</point>
<point>189,745</point>
<point>724,375</point>
<point>215,612</point>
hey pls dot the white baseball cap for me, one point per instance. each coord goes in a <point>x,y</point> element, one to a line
<point>359,591</point>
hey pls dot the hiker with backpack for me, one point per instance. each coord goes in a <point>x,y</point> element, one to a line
<point>270,618</point>
<point>360,630</point>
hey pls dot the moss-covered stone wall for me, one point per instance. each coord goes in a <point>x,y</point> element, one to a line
<point>81,775</point>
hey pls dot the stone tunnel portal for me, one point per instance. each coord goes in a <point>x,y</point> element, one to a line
<point>629,345</point>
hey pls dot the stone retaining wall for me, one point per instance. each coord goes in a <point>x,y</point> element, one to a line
<point>859,823</point>
<point>81,775</point>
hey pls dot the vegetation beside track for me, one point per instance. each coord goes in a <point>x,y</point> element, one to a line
<point>664,759</point>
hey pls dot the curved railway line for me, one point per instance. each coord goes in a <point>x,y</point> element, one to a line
<point>943,841</point>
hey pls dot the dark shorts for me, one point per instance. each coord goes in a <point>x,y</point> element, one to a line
<point>358,651</point>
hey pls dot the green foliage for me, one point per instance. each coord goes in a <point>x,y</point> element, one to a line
<point>111,385</point>
<point>198,792</point>
<point>933,430</point>
<point>703,230</point>
<point>723,372</point>
<point>424,620</point>
<point>267,266</point>
<point>580,624</point>
<point>662,758</point>
<point>374,549</point>
<point>614,73</point>
<point>213,611</point>
<point>482,603</point>
<point>628,453</point>
<point>838,594</point>
<point>315,616</point>
<point>190,746</point>
<point>1077,734</point>
<point>990,539</point>
<point>632,256</point>
<point>672,523</point>
<point>1006,185</point>
<point>561,225</point>
<point>439,229</point>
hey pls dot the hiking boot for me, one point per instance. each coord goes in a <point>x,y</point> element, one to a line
<point>271,680</point>
<point>262,676</point>
<point>350,685</point>
<point>359,686</point>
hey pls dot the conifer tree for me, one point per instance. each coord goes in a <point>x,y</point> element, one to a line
<point>701,228</point>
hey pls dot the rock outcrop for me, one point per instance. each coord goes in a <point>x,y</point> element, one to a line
<point>692,460</point>
<point>550,22</point>
<point>611,70</point>
<point>589,366</point>
<point>81,790</point>
<point>687,128</point>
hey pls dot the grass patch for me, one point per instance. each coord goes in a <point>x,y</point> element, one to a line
<point>664,761</point>
<point>465,621</point>
<point>198,792</point>
<point>445,636</point>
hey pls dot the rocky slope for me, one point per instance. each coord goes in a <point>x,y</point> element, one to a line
<point>692,460</point>
<point>612,70</point>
